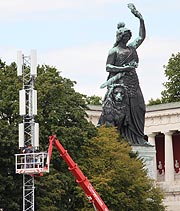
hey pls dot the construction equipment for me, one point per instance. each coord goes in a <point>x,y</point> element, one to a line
<point>83,181</point>
<point>28,163</point>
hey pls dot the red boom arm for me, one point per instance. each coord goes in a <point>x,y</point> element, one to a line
<point>91,193</point>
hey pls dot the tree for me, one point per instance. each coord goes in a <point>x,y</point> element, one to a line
<point>61,110</point>
<point>10,182</point>
<point>118,175</point>
<point>94,100</point>
<point>172,86</point>
<point>171,93</point>
<point>154,102</point>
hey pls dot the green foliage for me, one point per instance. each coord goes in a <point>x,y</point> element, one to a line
<point>118,175</point>
<point>171,93</point>
<point>61,110</point>
<point>154,102</point>
<point>115,172</point>
<point>172,86</point>
<point>10,182</point>
<point>94,100</point>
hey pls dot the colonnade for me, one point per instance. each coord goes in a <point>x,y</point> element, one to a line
<point>168,171</point>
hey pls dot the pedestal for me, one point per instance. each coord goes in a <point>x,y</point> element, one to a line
<point>148,153</point>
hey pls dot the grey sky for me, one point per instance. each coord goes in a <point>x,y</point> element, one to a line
<point>76,35</point>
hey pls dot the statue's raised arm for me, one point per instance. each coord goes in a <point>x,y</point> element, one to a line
<point>142,31</point>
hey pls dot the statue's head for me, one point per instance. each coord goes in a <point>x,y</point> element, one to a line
<point>122,34</point>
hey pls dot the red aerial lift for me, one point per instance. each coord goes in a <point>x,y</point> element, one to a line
<point>35,164</point>
<point>83,181</point>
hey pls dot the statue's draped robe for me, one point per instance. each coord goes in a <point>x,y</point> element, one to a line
<point>132,108</point>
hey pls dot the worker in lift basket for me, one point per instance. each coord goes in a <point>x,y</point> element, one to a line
<point>29,159</point>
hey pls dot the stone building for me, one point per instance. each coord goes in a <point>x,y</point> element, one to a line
<point>162,129</point>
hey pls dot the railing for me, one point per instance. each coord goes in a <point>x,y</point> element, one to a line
<point>31,163</point>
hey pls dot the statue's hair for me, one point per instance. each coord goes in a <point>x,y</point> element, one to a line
<point>120,25</point>
<point>120,32</point>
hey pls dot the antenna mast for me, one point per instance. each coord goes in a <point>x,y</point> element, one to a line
<point>28,129</point>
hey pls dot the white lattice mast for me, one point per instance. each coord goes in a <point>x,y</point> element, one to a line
<point>28,129</point>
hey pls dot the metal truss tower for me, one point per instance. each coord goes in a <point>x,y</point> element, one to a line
<point>28,130</point>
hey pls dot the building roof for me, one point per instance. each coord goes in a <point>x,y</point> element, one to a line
<point>159,107</point>
<point>166,106</point>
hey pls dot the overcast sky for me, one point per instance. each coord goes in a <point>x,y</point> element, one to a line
<point>76,35</point>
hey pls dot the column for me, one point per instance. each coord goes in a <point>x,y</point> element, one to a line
<point>169,161</point>
<point>151,140</point>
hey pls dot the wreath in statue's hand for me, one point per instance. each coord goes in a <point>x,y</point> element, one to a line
<point>134,11</point>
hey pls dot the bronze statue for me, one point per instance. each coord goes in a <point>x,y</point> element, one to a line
<point>123,105</point>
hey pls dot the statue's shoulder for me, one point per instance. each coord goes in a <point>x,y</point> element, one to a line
<point>113,50</point>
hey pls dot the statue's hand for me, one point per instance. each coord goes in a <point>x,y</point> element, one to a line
<point>134,11</point>
<point>131,7</point>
